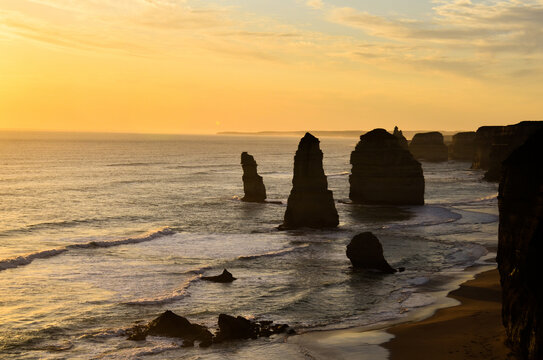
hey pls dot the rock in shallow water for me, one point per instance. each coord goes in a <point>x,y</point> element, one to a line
<point>366,252</point>
<point>384,172</point>
<point>253,185</point>
<point>520,248</point>
<point>310,203</point>
<point>225,277</point>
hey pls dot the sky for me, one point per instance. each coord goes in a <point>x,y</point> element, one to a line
<point>190,66</point>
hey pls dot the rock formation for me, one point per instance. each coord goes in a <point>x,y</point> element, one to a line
<point>401,139</point>
<point>235,328</point>
<point>483,143</point>
<point>310,203</point>
<point>520,248</point>
<point>253,186</point>
<point>504,141</point>
<point>225,277</point>
<point>384,172</point>
<point>429,146</point>
<point>463,146</point>
<point>366,252</point>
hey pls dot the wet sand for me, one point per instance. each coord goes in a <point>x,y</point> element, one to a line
<point>471,330</point>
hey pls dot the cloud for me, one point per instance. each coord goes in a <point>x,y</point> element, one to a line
<point>315,4</point>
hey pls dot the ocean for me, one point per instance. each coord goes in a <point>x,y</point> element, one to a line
<point>101,232</point>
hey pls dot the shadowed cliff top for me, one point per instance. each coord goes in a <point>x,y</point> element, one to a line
<point>247,159</point>
<point>308,142</point>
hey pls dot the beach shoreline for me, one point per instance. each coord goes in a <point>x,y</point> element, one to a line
<point>464,324</point>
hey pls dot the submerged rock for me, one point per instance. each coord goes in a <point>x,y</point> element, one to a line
<point>310,203</point>
<point>401,139</point>
<point>366,252</point>
<point>225,277</point>
<point>429,146</point>
<point>384,172</point>
<point>253,185</point>
<point>463,146</point>
<point>520,248</point>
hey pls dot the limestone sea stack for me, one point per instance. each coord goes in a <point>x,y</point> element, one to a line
<point>484,138</point>
<point>463,146</point>
<point>310,203</point>
<point>429,146</point>
<point>401,139</point>
<point>366,252</point>
<point>520,248</point>
<point>253,185</point>
<point>383,172</point>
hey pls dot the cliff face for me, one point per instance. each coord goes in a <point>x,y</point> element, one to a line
<point>484,138</point>
<point>401,139</point>
<point>310,203</point>
<point>384,172</point>
<point>429,146</point>
<point>520,248</point>
<point>253,185</point>
<point>463,146</point>
<point>505,140</point>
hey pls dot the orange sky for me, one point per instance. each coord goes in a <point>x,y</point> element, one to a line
<point>173,66</point>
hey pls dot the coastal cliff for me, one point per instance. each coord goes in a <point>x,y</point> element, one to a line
<point>463,146</point>
<point>253,185</point>
<point>310,203</point>
<point>521,247</point>
<point>384,172</point>
<point>429,146</point>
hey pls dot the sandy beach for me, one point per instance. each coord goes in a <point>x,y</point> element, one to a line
<point>471,330</point>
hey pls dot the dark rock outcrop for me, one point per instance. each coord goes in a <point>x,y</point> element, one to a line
<point>429,146</point>
<point>366,252</point>
<point>401,139</point>
<point>463,146</point>
<point>225,277</point>
<point>253,186</point>
<point>484,137</point>
<point>520,248</point>
<point>169,324</point>
<point>236,328</point>
<point>384,172</point>
<point>310,203</point>
<point>507,139</point>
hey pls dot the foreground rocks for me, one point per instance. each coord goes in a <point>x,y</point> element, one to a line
<point>366,252</point>
<point>172,325</point>
<point>225,277</point>
<point>384,172</point>
<point>310,203</point>
<point>520,248</point>
<point>253,185</point>
<point>463,146</point>
<point>429,146</point>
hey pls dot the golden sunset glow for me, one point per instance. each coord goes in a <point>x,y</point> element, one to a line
<point>167,66</point>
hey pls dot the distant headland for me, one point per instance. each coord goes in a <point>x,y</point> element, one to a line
<point>324,133</point>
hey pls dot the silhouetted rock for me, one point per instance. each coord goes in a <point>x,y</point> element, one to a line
<point>520,248</point>
<point>172,325</point>
<point>401,139</point>
<point>429,146</point>
<point>484,137</point>
<point>235,328</point>
<point>253,186</point>
<point>463,146</point>
<point>225,277</point>
<point>366,252</point>
<point>384,172</point>
<point>507,139</point>
<point>310,203</point>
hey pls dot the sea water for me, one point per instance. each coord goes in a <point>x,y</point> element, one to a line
<point>98,233</point>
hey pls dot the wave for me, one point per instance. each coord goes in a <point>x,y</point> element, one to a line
<point>177,294</point>
<point>28,258</point>
<point>136,164</point>
<point>481,200</point>
<point>344,173</point>
<point>272,253</point>
<point>427,216</point>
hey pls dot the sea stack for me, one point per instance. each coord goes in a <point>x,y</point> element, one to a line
<point>401,139</point>
<point>463,146</point>
<point>253,185</point>
<point>366,252</point>
<point>484,138</point>
<point>310,203</point>
<point>520,248</point>
<point>429,146</point>
<point>384,172</point>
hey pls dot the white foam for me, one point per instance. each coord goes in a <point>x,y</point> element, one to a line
<point>28,258</point>
<point>176,295</point>
<point>272,253</point>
